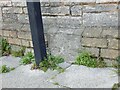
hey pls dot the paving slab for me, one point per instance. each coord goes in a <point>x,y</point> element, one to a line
<point>23,77</point>
<point>10,61</point>
<point>84,77</point>
<point>74,76</point>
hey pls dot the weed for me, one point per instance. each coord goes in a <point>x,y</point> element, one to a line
<point>27,59</point>
<point>5,69</point>
<point>6,48</point>
<point>87,59</point>
<point>18,53</point>
<point>56,83</point>
<point>51,62</point>
<point>116,86</point>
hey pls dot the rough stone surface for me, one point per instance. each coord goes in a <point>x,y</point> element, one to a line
<point>107,53</point>
<point>93,51</point>
<point>94,42</point>
<point>24,77</point>
<point>12,10</point>
<point>99,8</point>
<point>77,76</point>
<point>110,33</point>
<point>76,10</point>
<point>100,19</point>
<point>10,61</point>
<point>93,32</point>
<point>113,43</point>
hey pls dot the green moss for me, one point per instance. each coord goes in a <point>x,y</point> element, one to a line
<point>87,59</point>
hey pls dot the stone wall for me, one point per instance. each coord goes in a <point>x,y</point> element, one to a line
<point>69,27</point>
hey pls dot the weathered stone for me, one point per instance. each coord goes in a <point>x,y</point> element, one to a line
<point>15,47</point>
<point>25,35</point>
<point>100,19</point>
<point>113,43</point>
<point>50,22</point>
<point>19,3</point>
<point>64,10</point>
<point>26,27</point>
<point>99,8</point>
<point>45,10</point>
<point>64,65</point>
<point>93,51</point>
<point>94,42</point>
<point>68,41</point>
<point>110,33</point>
<point>25,43</point>
<point>12,10</point>
<point>12,26</point>
<point>105,1</point>
<point>22,18</point>
<point>110,62</point>
<point>92,32</point>
<point>9,17</point>
<point>15,41</point>
<point>45,4</point>
<point>76,10</point>
<point>13,34</point>
<point>107,53</point>
<point>6,33</point>
<point>5,3</point>
<point>69,22</point>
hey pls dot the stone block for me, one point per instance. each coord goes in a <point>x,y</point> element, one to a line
<point>113,43</point>
<point>9,17</point>
<point>93,51</point>
<point>25,43</point>
<point>108,53</point>
<point>110,33</point>
<point>25,35</point>
<point>64,41</point>
<point>15,41</point>
<point>92,32</point>
<point>12,10</point>
<point>5,3</point>
<point>63,10</point>
<point>19,4</point>
<point>94,42</point>
<point>99,8</point>
<point>6,33</point>
<point>106,19</point>
<point>26,27</point>
<point>105,1</point>
<point>12,26</point>
<point>45,10</point>
<point>13,34</point>
<point>69,22</point>
<point>22,18</point>
<point>76,10</point>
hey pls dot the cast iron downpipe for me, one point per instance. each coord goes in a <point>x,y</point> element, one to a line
<point>36,26</point>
